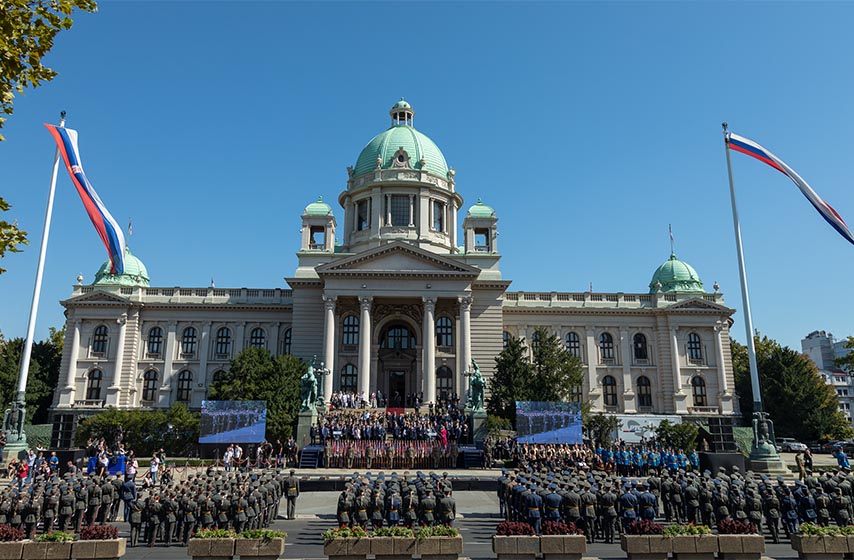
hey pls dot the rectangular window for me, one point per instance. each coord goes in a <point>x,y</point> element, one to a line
<point>399,210</point>
<point>363,215</point>
<point>438,216</point>
<point>481,240</point>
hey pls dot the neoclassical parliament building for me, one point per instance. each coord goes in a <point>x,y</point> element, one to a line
<point>392,298</point>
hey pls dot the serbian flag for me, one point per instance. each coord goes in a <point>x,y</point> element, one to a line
<point>751,148</point>
<point>108,230</point>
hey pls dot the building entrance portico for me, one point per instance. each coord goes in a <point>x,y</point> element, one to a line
<point>396,393</point>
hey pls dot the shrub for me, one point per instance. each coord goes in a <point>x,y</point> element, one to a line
<point>813,530</point>
<point>514,529</point>
<point>645,527</point>
<point>688,529</point>
<point>437,531</point>
<point>736,527</point>
<point>401,532</point>
<point>263,534</point>
<point>8,534</point>
<point>58,536</point>
<point>560,528</point>
<point>99,532</point>
<point>214,534</point>
<point>344,533</point>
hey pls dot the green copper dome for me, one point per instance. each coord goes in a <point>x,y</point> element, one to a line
<point>318,208</point>
<point>135,273</point>
<point>481,210</point>
<point>675,276</point>
<point>386,144</point>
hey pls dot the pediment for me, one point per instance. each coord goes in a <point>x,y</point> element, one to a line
<point>697,304</point>
<point>99,297</point>
<point>398,258</point>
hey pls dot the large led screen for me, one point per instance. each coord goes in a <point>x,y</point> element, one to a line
<point>233,422</point>
<point>548,422</point>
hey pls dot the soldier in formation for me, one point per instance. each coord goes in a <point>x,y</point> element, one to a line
<point>593,500</point>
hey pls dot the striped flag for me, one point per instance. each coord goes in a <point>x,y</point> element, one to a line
<point>751,148</point>
<point>108,230</point>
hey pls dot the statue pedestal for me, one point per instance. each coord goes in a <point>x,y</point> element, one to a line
<point>305,420</point>
<point>478,429</point>
<point>764,459</point>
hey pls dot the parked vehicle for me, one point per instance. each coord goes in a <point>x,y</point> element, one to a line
<point>790,445</point>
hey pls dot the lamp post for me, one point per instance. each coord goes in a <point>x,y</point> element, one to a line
<point>321,372</point>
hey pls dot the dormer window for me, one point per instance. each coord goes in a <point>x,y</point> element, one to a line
<point>401,159</point>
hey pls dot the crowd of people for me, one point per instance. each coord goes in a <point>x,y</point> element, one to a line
<point>444,425</point>
<point>602,492</point>
<point>389,501</point>
<point>391,454</point>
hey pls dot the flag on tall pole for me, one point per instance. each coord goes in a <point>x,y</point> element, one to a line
<point>754,150</point>
<point>108,230</point>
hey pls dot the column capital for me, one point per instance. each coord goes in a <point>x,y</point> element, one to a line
<point>465,302</point>
<point>122,319</point>
<point>429,303</point>
<point>329,302</point>
<point>365,302</point>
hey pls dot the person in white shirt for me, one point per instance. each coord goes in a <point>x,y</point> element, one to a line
<point>229,455</point>
<point>153,466</point>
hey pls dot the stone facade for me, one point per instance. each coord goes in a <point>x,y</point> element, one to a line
<point>398,307</point>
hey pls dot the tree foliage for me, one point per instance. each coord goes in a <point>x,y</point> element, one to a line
<point>600,428</point>
<point>550,375</point>
<point>799,402</point>
<point>29,28</point>
<point>256,375</point>
<point>10,235</point>
<point>176,430</point>
<point>846,362</point>
<point>678,436</point>
<point>43,374</point>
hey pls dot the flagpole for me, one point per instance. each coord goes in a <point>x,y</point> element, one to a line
<point>745,296</point>
<point>20,395</point>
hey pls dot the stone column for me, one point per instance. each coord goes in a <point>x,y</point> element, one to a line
<point>365,345</point>
<point>329,346</point>
<point>465,326</point>
<point>113,390</point>
<point>591,385</point>
<point>204,352</point>
<point>679,396</point>
<point>626,358</point>
<point>412,210</point>
<point>70,375</point>
<point>724,396</point>
<point>428,369</point>
<point>168,357</point>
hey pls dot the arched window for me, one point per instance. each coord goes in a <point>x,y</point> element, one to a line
<point>535,341</point>
<point>348,379</point>
<point>155,342</point>
<point>93,387</point>
<point>644,391</point>
<point>149,385</point>
<point>185,385</point>
<point>444,332</point>
<point>606,348</point>
<point>609,390</point>
<point>505,339</point>
<point>218,376</point>
<point>350,331</point>
<point>444,382</point>
<point>258,338</point>
<point>398,337</point>
<point>188,342</point>
<point>573,344</point>
<point>695,348</point>
<point>286,342</point>
<point>99,341</point>
<point>639,343</point>
<point>698,389</point>
<point>223,342</point>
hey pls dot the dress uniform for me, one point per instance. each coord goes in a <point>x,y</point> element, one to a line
<point>293,492</point>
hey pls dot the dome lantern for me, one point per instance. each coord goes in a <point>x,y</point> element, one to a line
<point>402,113</point>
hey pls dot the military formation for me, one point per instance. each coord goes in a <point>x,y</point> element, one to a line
<point>378,501</point>
<point>603,504</point>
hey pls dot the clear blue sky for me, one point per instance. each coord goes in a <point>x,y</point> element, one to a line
<point>587,126</point>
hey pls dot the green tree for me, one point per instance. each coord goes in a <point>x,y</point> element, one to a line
<point>551,375</point>
<point>43,375</point>
<point>798,401</point>
<point>10,235</point>
<point>29,28</point>
<point>679,436</point>
<point>847,362</point>
<point>255,375</point>
<point>600,428</point>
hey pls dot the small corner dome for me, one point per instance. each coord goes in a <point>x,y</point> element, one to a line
<point>675,276</point>
<point>318,208</point>
<point>135,273</point>
<point>481,210</point>
<point>423,153</point>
